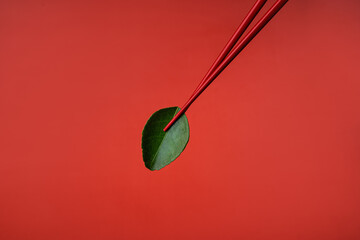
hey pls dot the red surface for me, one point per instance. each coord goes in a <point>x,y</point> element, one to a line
<point>274,152</point>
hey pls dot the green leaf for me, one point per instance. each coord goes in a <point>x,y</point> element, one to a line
<point>160,148</point>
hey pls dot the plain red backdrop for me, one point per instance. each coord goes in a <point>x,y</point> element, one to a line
<point>274,151</point>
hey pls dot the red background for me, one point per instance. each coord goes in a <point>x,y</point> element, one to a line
<point>274,151</point>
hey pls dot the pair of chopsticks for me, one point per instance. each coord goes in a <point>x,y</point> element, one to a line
<point>231,50</point>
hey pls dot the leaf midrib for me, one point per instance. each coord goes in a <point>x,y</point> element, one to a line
<point>152,160</point>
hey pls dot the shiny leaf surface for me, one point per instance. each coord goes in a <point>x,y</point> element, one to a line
<point>160,148</point>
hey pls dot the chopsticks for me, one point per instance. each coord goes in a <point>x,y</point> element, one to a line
<point>234,38</point>
<point>227,55</point>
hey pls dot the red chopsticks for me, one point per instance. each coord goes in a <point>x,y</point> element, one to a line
<point>227,55</point>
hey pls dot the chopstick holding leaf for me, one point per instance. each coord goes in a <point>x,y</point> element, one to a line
<point>166,133</point>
